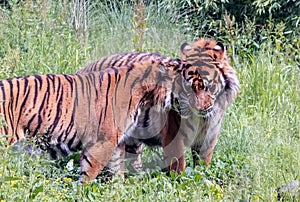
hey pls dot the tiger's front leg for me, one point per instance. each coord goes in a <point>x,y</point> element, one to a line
<point>204,150</point>
<point>173,143</point>
<point>116,161</point>
<point>133,156</point>
<point>94,158</point>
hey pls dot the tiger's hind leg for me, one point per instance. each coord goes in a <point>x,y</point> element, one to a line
<point>94,158</point>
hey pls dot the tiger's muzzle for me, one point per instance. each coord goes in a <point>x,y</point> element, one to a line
<point>201,103</point>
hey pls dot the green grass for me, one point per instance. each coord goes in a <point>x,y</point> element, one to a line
<point>259,146</point>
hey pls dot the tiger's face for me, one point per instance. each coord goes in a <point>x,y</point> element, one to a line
<point>203,77</point>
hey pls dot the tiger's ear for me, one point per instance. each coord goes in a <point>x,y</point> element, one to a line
<point>219,47</point>
<point>219,52</point>
<point>184,48</point>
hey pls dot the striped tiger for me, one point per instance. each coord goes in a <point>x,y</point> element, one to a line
<point>133,147</point>
<point>212,86</point>
<point>94,113</point>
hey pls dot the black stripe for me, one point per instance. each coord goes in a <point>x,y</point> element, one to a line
<point>10,116</point>
<point>75,96</point>
<point>70,81</point>
<point>60,136</point>
<point>131,67</point>
<point>94,84</point>
<point>147,72</point>
<point>87,160</point>
<point>63,151</point>
<point>102,62</point>
<point>87,92</point>
<point>135,115</point>
<point>56,90</point>
<point>41,107</point>
<point>136,80</point>
<point>52,153</point>
<point>3,91</point>
<point>30,121</point>
<point>205,56</point>
<point>84,173</point>
<point>70,127</point>
<point>58,113</point>
<point>11,93</point>
<point>24,101</point>
<point>115,60</point>
<point>35,92</point>
<point>82,82</point>
<point>50,79</point>
<point>146,120</point>
<point>48,90</point>
<point>129,105</point>
<point>39,78</point>
<point>18,91</point>
<point>172,99</point>
<point>200,63</point>
<point>143,56</point>
<point>132,56</point>
<point>107,92</point>
<point>193,55</point>
<point>100,120</point>
<point>202,72</point>
<point>116,71</point>
<point>79,145</point>
<point>71,141</point>
<point>116,89</point>
<point>101,79</point>
<point>25,98</point>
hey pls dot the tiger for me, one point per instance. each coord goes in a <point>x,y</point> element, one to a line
<point>212,85</point>
<point>95,113</point>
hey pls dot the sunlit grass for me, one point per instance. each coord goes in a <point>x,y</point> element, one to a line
<point>258,148</point>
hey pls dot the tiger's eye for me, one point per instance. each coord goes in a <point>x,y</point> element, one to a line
<point>213,88</point>
<point>190,73</point>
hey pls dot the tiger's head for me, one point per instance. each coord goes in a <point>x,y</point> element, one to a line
<point>209,82</point>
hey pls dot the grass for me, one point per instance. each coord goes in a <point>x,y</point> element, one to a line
<point>259,146</point>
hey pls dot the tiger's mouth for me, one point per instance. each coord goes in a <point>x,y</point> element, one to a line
<point>188,106</point>
<point>206,113</point>
<point>186,111</point>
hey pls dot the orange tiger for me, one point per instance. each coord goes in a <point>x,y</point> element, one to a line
<point>212,85</point>
<point>94,112</point>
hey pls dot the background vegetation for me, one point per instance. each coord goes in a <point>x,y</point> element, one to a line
<point>259,147</point>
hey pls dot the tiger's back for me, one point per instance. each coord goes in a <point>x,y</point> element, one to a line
<point>122,59</point>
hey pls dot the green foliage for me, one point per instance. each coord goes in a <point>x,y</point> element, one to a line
<point>34,38</point>
<point>248,23</point>
<point>258,149</point>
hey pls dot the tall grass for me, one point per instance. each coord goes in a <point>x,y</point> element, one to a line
<point>259,145</point>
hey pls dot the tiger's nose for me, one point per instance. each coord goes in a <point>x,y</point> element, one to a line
<point>201,100</point>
